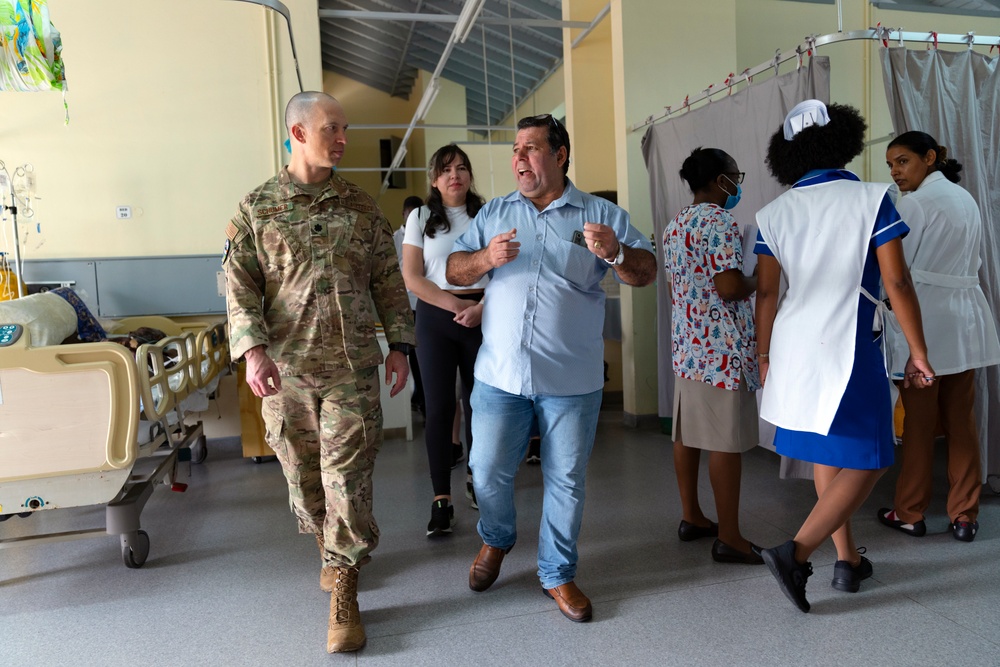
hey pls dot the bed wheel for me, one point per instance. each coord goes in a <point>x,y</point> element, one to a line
<point>257,459</point>
<point>135,550</point>
<point>199,450</point>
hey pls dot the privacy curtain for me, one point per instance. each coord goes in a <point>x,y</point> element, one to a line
<point>740,124</point>
<point>955,97</point>
<point>30,48</point>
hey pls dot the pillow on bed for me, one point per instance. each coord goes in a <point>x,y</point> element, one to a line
<point>48,318</point>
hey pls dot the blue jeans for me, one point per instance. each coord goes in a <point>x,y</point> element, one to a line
<point>501,424</point>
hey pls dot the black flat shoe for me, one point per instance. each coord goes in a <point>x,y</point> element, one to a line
<point>887,517</point>
<point>965,531</point>
<point>689,532</point>
<point>723,553</point>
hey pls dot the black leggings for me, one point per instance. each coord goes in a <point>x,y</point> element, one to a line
<point>444,347</point>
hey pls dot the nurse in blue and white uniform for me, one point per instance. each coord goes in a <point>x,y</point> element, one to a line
<point>830,237</point>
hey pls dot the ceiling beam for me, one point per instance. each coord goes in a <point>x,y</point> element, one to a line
<point>445,18</point>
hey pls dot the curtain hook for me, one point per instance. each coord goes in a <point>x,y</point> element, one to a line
<point>881,34</point>
<point>777,59</point>
<point>971,36</point>
<point>900,36</point>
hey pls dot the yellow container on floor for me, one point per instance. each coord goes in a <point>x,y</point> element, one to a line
<point>8,285</point>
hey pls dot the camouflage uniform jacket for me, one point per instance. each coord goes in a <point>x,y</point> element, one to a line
<point>303,274</point>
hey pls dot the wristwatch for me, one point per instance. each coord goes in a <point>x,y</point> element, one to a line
<point>405,348</point>
<point>619,258</point>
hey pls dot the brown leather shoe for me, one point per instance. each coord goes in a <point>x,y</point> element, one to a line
<point>572,602</point>
<point>486,568</point>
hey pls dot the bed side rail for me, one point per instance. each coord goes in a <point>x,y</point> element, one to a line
<point>66,409</point>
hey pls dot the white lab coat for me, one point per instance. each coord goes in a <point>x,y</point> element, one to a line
<point>942,251</point>
<point>820,235</point>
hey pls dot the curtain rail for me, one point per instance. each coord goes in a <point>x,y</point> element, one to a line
<point>885,35</point>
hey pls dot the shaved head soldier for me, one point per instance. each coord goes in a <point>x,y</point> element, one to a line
<point>307,256</point>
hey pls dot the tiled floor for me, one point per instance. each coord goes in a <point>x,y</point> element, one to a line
<point>229,582</point>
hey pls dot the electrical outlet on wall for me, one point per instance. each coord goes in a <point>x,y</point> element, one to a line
<point>123,212</point>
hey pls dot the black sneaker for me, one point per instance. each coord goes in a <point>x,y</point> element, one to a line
<point>847,577</point>
<point>965,531</point>
<point>457,454</point>
<point>470,493</point>
<point>534,451</point>
<point>442,518</point>
<point>791,575</point>
<point>887,516</point>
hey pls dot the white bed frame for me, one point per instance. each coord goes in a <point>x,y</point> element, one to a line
<point>69,417</point>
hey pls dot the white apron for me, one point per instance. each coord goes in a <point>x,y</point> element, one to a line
<point>820,235</point>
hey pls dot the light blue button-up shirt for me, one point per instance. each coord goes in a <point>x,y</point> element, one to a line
<point>544,312</point>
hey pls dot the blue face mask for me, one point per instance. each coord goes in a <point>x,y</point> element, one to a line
<point>732,200</point>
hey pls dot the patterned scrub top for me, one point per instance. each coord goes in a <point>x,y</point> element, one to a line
<point>713,340</point>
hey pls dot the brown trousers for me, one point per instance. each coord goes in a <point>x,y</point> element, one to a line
<point>951,397</point>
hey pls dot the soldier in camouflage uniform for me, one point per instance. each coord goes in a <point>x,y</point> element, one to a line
<point>309,262</point>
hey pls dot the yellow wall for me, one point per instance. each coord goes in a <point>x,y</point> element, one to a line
<point>171,113</point>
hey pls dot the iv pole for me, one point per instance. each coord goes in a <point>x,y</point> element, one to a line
<point>5,179</point>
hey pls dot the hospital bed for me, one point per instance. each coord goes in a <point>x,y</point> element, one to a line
<point>70,419</point>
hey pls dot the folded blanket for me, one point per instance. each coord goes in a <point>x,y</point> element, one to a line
<point>48,319</point>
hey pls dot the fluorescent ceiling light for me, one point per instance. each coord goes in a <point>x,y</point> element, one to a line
<point>433,88</point>
<point>466,19</point>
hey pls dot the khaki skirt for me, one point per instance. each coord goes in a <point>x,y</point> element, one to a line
<point>714,419</point>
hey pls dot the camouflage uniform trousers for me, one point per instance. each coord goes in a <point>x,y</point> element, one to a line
<point>326,429</point>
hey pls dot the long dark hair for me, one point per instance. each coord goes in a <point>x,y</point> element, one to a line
<point>438,220</point>
<point>920,143</point>
<point>829,146</point>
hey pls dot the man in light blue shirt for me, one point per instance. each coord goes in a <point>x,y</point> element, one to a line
<point>543,351</point>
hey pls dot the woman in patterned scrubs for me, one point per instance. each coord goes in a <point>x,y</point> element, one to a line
<point>714,351</point>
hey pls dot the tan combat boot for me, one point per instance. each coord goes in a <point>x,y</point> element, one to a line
<point>328,575</point>
<point>345,633</point>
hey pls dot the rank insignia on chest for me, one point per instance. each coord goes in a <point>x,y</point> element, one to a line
<point>265,211</point>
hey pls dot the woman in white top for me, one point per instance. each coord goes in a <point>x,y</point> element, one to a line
<point>943,253</point>
<point>448,317</point>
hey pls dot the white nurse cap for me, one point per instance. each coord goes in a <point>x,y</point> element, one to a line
<point>804,114</point>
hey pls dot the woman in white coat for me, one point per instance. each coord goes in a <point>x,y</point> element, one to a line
<point>943,253</point>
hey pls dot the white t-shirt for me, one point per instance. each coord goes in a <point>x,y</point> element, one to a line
<point>437,249</point>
